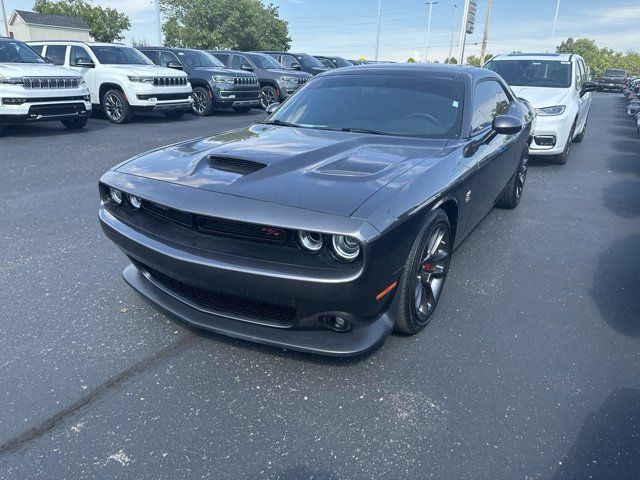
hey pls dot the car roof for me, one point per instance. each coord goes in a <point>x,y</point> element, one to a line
<point>435,69</point>
<point>560,57</point>
<point>78,42</point>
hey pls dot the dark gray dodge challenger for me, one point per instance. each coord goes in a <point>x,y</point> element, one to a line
<point>333,221</point>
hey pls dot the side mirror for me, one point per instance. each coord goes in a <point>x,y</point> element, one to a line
<point>247,67</point>
<point>273,108</point>
<point>48,59</point>
<point>296,66</point>
<point>588,87</point>
<point>174,65</point>
<point>84,63</point>
<point>506,125</point>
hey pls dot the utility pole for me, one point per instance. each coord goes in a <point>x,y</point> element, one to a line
<point>157,2</point>
<point>463,32</point>
<point>4,16</point>
<point>378,36</point>
<point>426,53</point>
<point>555,21</point>
<point>485,36</point>
<point>453,27</point>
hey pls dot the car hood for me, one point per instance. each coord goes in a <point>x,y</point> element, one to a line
<point>34,70</point>
<point>289,73</point>
<point>324,171</point>
<point>147,70</point>
<point>541,97</point>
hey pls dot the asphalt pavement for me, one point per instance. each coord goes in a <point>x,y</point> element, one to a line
<point>530,368</point>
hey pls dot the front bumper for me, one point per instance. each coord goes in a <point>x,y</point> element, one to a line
<point>610,85</point>
<point>44,111</point>
<point>237,98</point>
<point>557,127</point>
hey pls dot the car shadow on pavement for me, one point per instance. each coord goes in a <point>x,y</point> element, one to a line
<point>302,472</point>
<point>624,164</point>
<point>627,146</point>
<point>623,198</point>
<point>616,288</point>
<point>608,446</point>
<point>48,129</point>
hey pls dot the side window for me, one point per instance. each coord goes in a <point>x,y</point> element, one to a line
<point>37,48</point>
<point>583,71</point>
<point>77,53</point>
<point>237,61</point>
<point>577,73</point>
<point>326,62</point>
<point>489,101</point>
<point>223,57</point>
<point>288,60</point>
<point>152,55</point>
<point>168,57</point>
<point>57,53</point>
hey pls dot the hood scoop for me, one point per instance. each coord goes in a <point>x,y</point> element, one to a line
<point>239,166</point>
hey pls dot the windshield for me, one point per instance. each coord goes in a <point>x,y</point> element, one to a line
<point>533,73</point>
<point>116,55</point>
<point>385,104</point>
<point>307,61</point>
<point>18,52</point>
<point>264,61</point>
<point>614,73</point>
<point>341,62</point>
<point>195,59</point>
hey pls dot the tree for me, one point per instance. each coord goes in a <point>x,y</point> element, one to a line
<point>599,59</point>
<point>105,24</point>
<point>411,60</point>
<point>451,60</point>
<point>232,24</point>
<point>473,60</point>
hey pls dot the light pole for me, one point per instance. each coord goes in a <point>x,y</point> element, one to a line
<point>485,35</point>
<point>426,53</point>
<point>378,36</point>
<point>463,32</point>
<point>453,27</point>
<point>4,16</point>
<point>157,2</point>
<point>553,31</point>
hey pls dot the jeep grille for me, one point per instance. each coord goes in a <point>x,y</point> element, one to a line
<point>169,81</point>
<point>50,82</point>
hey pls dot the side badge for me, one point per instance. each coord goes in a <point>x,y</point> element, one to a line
<point>467,197</point>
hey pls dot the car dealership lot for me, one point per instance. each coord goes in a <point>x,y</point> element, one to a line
<point>529,368</point>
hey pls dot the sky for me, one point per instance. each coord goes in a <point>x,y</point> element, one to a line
<point>348,28</point>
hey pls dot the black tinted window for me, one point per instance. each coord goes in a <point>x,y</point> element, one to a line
<point>17,52</point>
<point>223,57</point>
<point>152,55</point>
<point>415,106</point>
<point>614,73</point>
<point>37,48</point>
<point>167,57</point>
<point>288,61</point>
<point>238,60</point>
<point>326,62</point>
<point>489,100</point>
<point>57,53</point>
<point>77,53</point>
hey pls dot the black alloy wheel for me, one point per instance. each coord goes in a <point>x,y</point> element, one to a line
<point>116,107</point>
<point>268,95</point>
<point>202,102</point>
<point>425,274</point>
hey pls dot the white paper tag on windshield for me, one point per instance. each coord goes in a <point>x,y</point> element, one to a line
<point>455,104</point>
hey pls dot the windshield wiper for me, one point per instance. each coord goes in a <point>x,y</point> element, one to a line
<point>282,124</point>
<point>364,130</point>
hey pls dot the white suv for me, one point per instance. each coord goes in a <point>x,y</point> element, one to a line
<point>121,79</point>
<point>558,87</point>
<point>33,90</point>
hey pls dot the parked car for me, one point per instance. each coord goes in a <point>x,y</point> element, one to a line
<point>121,79</point>
<point>32,90</point>
<point>558,87</point>
<point>612,79</point>
<point>333,62</point>
<point>214,86</point>
<point>276,83</point>
<point>333,221</point>
<point>298,61</point>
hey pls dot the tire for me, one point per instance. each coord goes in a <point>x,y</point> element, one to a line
<point>512,193</point>
<point>564,156</point>
<point>174,114</point>
<point>75,123</point>
<point>116,107</point>
<point>202,102</point>
<point>424,274</point>
<point>580,137</point>
<point>242,109</point>
<point>268,95</point>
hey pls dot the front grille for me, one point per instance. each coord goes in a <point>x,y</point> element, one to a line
<point>56,110</point>
<point>245,81</point>
<point>235,165</point>
<point>277,315</point>
<point>302,81</point>
<point>50,82</point>
<point>54,99</point>
<point>164,96</point>
<point>169,81</point>
<point>217,226</point>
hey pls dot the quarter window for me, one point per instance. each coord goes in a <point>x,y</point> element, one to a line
<point>238,60</point>
<point>489,101</point>
<point>57,53</point>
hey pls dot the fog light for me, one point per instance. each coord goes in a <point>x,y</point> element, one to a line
<point>115,195</point>
<point>310,241</point>
<point>135,202</point>
<point>545,140</point>
<point>345,248</point>
<point>13,101</point>
<point>336,323</point>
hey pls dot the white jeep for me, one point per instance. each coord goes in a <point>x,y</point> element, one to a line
<point>121,79</point>
<point>32,90</point>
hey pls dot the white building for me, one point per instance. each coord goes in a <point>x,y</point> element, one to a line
<point>26,26</point>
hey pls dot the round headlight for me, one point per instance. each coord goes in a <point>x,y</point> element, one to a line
<point>115,195</point>
<point>345,248</point>
<point>310,241</point>
<point>134,201</point>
